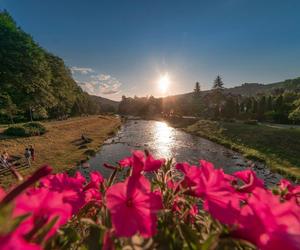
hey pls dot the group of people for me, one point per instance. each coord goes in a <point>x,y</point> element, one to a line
<point>29,155</point>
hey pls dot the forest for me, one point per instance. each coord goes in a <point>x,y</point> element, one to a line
<point>34,83</point>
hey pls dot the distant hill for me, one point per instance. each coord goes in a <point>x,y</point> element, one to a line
<point>105,104</point>
<point>249,89</point>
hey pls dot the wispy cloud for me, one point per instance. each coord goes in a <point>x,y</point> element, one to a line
<point>101,84</point>
<point>81,70</point>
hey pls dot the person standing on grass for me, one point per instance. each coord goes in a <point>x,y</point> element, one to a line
<point>27,155</point>
<point>31,149</point>
<point>4,160</point>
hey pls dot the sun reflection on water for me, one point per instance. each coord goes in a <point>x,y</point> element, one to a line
<point>164,136</point>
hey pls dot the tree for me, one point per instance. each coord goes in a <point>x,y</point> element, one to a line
<point>218,83</point>
<point>38,83</point>
<point>217,97</point>
<point>261,107</point>
<point>294,115</point>
<point>7,107</point>
<point>197,89</point>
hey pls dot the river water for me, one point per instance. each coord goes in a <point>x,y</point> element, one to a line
<point>165,141</point>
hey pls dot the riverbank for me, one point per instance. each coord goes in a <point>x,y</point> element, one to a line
<point>278,148</point>
<point>62,146</point>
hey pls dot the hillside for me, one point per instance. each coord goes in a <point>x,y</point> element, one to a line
<point>105,104</point>
<point>251,89</point>
<point>35,84</point>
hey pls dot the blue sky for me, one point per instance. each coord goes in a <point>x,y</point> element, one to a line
<point>122,47</point>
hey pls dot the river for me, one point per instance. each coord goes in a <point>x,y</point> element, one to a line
<point>165,141</point>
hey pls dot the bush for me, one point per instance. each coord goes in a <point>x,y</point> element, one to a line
<point>35,128</point>
<point>15,131</point>
<point>28,129</point>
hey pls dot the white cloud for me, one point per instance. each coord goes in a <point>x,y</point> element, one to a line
<point>81,70</point>
<point>101,84</point>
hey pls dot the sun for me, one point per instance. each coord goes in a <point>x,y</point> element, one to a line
<point>164,82</point>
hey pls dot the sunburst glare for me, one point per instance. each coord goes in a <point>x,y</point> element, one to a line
<point>164,82</point>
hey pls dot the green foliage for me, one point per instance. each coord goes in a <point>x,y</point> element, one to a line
<point>16,131</point>
<point>218,83</point>
<point>141,106</point>
<point>36,126</point>
<point>34,82</point>
<point>278,147</point>
<point>7,107</point>
<point>28,129</point>
<point>197,89</point>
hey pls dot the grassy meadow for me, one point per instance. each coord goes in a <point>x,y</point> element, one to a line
<point>62,146</point>
<point>279,148</point>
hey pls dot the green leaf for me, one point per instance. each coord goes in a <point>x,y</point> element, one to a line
<point>93,241</point>
<point>18,220</point>
<point>190,237</point>
<point>211,242</point>
<point>40,235</point>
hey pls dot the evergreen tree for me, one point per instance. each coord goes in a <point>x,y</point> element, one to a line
<point>197,89</point>
<point>218,83</point>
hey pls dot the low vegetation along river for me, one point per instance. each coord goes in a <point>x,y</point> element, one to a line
<point>165,141</point>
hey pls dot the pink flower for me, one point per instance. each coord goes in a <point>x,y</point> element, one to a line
<point>213,186</point>
<point>285,185</point>
<point>43,205</point>
<point>95,180</point>
<point>72,188</point>
<point>178,204</point>
<point>175,186</point>
<point>193,213</point>
<point>37,175</point>
<point>2,194</point>
<point>133,207</point>
<point>250,179</point>
<point>92,189</point>
<point>93,195</point>
<point>140,163</point>
<point>15,241</point>
<point>62,181</point>
<point>289,191</point>
<point>268,223</point>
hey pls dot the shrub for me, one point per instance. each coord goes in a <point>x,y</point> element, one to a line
<point>28,129</point>
<point>35,128</point>
<point>15,131</point>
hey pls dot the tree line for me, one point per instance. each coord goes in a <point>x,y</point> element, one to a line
<point>35,84</point>
<point>279,105</point>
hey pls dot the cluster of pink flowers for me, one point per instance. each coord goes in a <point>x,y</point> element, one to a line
<point>267,219</point>
<point>53,202</point>
<point>254,213</point>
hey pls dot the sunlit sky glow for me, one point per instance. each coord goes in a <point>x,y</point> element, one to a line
<point>118,47</point>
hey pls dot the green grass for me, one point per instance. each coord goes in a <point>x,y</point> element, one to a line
<point>278,148</point>
<point>62,146</point>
